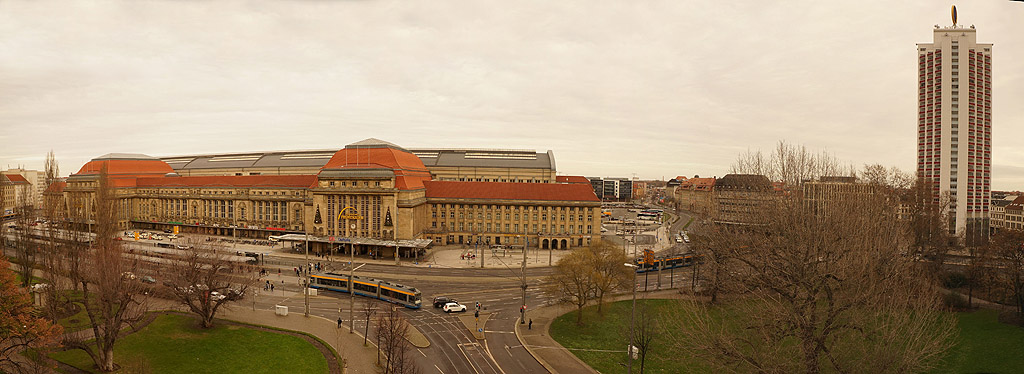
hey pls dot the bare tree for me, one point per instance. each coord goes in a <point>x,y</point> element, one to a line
<point>26,247</point>
<point>369,310</point>
<point>573,280</point>
<point>879,175</point>
<point>52,168</point>
<point>392,330</point>
<point>608,272</point>
<point>790,164</point>
<point>113,298</point>
<point>1009,252</point>
<point>835,292</point>
<point>646,330</point>
<point>978,266</point>
<point>927,211</point>
<point>204,279</point>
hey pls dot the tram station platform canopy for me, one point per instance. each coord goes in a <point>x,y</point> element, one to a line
<point>410,243</point>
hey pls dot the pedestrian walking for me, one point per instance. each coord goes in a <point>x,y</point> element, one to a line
<point>272,290</point>
<point>339,322</point>
<point>530,326</point>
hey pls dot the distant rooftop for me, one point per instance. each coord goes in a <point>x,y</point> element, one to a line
<point>317,158</point>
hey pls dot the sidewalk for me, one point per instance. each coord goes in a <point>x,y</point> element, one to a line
<point>358,359</point>
<point>446,257</point>
<point>554,356</point>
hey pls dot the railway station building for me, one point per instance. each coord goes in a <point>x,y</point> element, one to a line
<point>372,196</point>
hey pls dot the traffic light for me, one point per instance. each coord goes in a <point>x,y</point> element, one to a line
<point>477,314</point>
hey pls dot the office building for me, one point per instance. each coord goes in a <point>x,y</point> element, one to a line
<point>954,143</point>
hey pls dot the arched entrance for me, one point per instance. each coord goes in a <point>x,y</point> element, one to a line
<point>544,244</point>
<point>564,244</point>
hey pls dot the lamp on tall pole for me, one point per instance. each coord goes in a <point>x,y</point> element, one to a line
<point>305,287</point>
<point>352,299</point>
<point>632,318</point>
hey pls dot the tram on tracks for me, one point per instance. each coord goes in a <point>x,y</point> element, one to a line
<point>406,296</point>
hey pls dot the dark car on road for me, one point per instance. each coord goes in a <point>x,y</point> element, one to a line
<point>439,301</point>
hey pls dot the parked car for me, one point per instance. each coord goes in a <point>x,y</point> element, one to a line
<point>144,235</point>
<point>216,296</point>
<point>439,301</point>
<point>453,307</point>
<point>168,231</point>
<point>156,237</point>
<point>172,237</point>
<point>148,279</point>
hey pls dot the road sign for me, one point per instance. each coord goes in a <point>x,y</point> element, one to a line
<point>176,230</point>
<point>331,238</point>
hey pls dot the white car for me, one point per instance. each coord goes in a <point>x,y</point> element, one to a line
<point>453,307</point>
<point>156,237</point>
<point>172,237</point>
<point>216,296</point>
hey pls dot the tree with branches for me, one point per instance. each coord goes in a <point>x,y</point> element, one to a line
<point>392,329</point>
<point>608,273</point>
<point>204,278</point>
<point>1008,253</point>
<point>646,330</point>
<point>112,297</point>
<point>20,328</point>
<point>573,280</point>
<point>830,292</point>
<point>26,247</point>
<point>369,310</point>
<point>790,164</point>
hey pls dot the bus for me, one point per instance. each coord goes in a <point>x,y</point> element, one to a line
<point>406,296</point>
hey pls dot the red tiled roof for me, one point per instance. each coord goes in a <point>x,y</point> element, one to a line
<point>16,178</point>
<point>123,173</point>
<point>510,191</point>
<point>127,167</point>
<point>410,173</point>
<point>304,181</point>
<point>56,187</point>
<point>702,183</point>
<point>572,179</point>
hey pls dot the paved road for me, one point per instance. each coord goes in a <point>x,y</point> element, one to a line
<point>453,348</point>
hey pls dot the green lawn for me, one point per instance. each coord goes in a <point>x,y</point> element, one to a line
<point>985,345</point>
<point>17,278</point>
<point>611,333</point>
<point>174,344</point>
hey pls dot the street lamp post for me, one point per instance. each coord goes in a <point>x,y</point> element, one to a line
<point>522,310</point>
<point>632,318</point>
<point>352,299</point>
<point>305,287</point>
<point>352,289</point>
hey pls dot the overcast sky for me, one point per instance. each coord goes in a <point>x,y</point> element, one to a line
<point>655,88</point>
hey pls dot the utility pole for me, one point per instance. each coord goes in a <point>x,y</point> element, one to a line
<point>352,289</point>
<point>305,287</point>
<point>522,310</point>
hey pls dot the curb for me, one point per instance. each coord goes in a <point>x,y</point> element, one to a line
<point>530,350</point>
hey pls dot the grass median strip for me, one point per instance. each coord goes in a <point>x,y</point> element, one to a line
<point>175,344</point>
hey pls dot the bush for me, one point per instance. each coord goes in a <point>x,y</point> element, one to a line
<point>1010,317</point>
<point>955,301</point>
<point>954,279</point>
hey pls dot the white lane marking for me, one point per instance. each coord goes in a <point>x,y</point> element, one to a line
<point>421,352</point>
<point>439,369</point>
